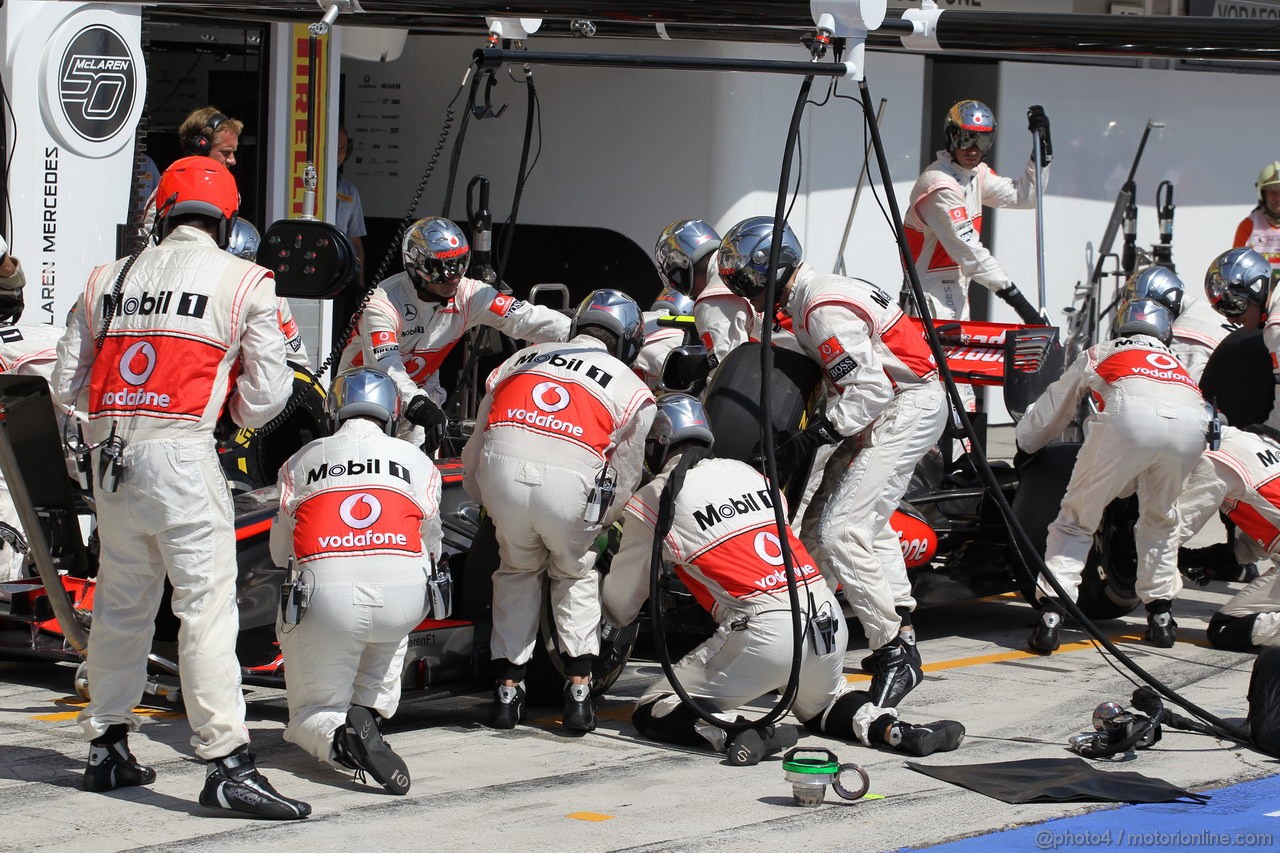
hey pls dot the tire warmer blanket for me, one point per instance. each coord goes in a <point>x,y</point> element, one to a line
<point>1058,780</point>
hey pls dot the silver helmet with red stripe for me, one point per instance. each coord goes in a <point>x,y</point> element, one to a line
<point>616,313</point>
<point>680,418</point>
<point>1144,317</point>
<point>364,392</point>
<point>435,251</point>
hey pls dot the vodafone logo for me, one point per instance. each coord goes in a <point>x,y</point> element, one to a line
<point>550,396</point>
<point>1161,361</point>
<point>769,548</point>
<point>360,511</point>
<point>138,363</point>
<point>416,366</point>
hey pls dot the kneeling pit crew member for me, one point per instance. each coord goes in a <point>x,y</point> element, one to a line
<point>359,526</point>
<point>718,530</point>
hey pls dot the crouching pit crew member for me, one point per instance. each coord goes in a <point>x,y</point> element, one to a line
<point>1239,477</point>
<point>1147,428</point>
<point>557,452</point>
<point>885,410</point>
<point>415,318</point>
<point>731,561</point>
<point>152,384</point>
<point>359,527</point>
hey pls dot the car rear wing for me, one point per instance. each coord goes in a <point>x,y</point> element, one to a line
<point>1021,359</point>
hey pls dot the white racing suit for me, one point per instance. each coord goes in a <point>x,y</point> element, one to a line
<point>1242,479</point>
<point>659,341</point>
<point>1197,332</point>
<point>409,337</point>
<point>889,407</point>
<point>1148,429</point>
<point>197,330</point>
<point>723,545</point>
<point>360,516</point>
<point>26,349</point>
<point>1256,233</point>
<point>558,417</point>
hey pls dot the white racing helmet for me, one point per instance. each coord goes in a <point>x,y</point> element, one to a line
<point>364,392</point>
<point>680,418</point>
<point>616,313</point>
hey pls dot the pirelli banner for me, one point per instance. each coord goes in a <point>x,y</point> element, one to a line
<point>301,98</point>
<point>77,83</point>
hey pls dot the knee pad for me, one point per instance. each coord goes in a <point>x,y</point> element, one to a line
<point>676,726</point>
<point>837,718</point>
<point>1232,633</point>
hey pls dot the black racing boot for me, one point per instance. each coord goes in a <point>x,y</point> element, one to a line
<point>1047,635</point>
<point>897,671</point>
<point>234,783</point>
<point>359,745</point>
<point>922,740</point>
<point>750,746</point>
<point>907,633</point>
<point>1162,631</point>
<point>579,708</point>
<point>111,765</point>
<point>508,706</point>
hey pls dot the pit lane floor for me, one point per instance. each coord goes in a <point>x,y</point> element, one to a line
<point>538,789</point>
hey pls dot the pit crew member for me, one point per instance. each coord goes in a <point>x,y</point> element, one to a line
<point>1260,230</point>
<point>1147,428</point>
<point>417,316</point>
<point>557,452</point>
<point>359,526</point>
<point>659,341</point>
<point>720,534</point>
<point>884,411</point>
<point>151,354</point>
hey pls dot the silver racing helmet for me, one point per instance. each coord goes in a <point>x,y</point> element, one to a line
<point>616,313</point>
<point>680,418</point>
<point>1236,278</point>
<point>435,251</point>
<point>364,392</point>
<point>1158,283</point>
<point>1144,317</point>
<point>673,302</point>
<point>744,256</point>
<point>683,245</point>
<point>969,124</point>
<point>244,240</point>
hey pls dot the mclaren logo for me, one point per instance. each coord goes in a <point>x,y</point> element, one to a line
<point>97,80</point>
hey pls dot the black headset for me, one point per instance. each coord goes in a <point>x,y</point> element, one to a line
<point>200,144</point>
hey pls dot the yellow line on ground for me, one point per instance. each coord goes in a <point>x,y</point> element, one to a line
<point>591,816</point>
<point>63,716</point>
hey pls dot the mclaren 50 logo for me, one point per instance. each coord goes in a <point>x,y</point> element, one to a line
<point>97,79</point>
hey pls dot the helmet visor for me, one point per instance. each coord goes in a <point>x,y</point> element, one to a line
<point>980,139</point>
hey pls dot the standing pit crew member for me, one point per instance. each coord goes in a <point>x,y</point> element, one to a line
<point>557,452</point>
<point>415,318</point>
<point>205,132</point>
<point>359,524</point>
<point>884,410</point>
<point>944,217</point>
<point>1241,477</point>
<point>152,384</point>
<point>350,210</point>
<point>1147,428</point>
<point>733,566</point>
<point>1260,230</point>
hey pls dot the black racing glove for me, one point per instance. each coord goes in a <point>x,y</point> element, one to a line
<point>423,412</point>
<point>1019,303</point>
<point>1038,122</point>
<point>11,306</point>
<point>794,452</point>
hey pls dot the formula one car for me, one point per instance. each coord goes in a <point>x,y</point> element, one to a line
<point>48,613</point>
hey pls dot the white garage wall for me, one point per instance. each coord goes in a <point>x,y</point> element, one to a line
<point>633,150</point>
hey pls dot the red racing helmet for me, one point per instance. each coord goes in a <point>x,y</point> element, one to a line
<point>197,186</point>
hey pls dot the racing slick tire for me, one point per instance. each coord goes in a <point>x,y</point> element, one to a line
<point>1042,481</point>
<point>251,458</point>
